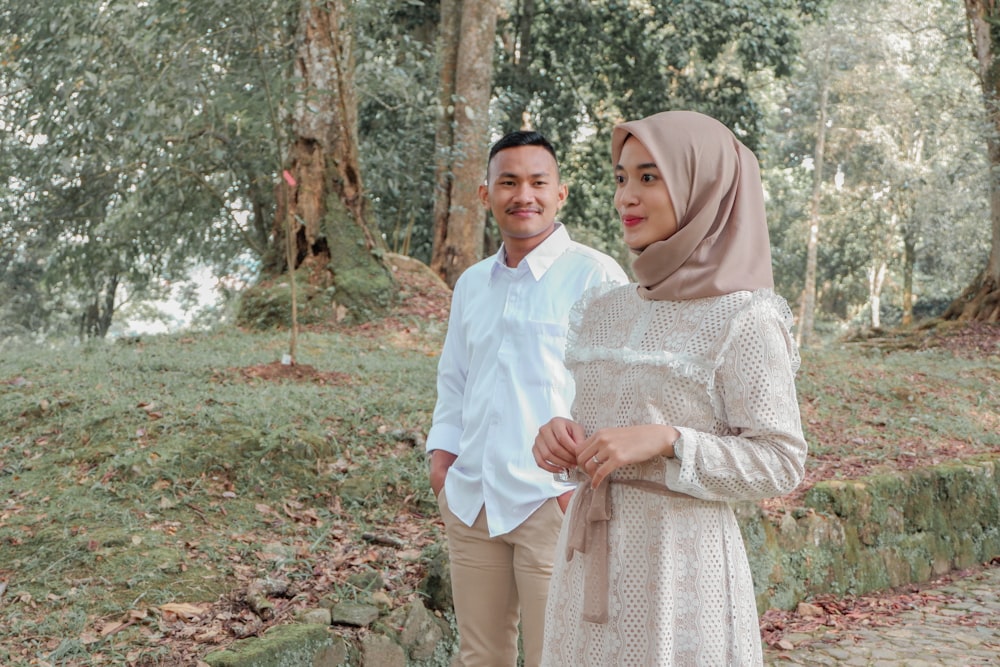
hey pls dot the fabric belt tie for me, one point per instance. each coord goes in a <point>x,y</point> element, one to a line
<point>588,534</point>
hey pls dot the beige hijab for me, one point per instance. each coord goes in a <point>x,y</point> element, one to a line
<point>721,244</point>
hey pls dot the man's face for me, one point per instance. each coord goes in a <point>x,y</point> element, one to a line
<point>523,192</point>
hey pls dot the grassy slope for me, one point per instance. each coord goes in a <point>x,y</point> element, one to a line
<point>172,471</point>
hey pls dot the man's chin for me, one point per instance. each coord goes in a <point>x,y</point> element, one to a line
<point>520,232</point>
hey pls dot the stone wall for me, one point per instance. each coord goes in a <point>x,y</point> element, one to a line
<point>876,532</point>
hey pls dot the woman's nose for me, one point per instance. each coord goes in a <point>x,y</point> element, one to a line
<point>626,194</point>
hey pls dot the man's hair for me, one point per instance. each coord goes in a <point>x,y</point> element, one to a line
<point>522,138</point>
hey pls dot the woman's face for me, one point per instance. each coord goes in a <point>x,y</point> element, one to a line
<point>642,200</point>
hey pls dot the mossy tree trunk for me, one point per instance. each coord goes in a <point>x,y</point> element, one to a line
<point>468,29</point>
<point>320,201</point>
<point>981,300</point>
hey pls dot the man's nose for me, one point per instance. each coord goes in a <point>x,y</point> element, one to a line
<point>524,192</point>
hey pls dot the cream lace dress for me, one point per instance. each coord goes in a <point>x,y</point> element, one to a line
<point>721,370</point>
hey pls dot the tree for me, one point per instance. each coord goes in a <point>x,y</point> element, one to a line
<point>143,143</point>
<point>807,307</point>
<point>981,299</point>
<point>467,33</point>
<point>153,138</point>
<point>890,92</point>
<point>574,69</point>
<point>321,204</point>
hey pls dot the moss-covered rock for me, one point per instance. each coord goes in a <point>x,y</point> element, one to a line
<point>268,304</point>
<point>284,646</point>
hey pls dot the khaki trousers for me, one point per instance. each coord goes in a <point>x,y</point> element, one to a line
<point>497,580</point>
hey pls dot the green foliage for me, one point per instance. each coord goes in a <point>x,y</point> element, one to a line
<point>904,159</point>
<point>581,67</point>
<point>397,78</point>
<point>147,137</point>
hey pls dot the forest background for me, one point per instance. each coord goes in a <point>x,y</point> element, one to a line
<point>153,149</point>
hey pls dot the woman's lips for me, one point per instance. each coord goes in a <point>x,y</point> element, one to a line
<point>631,220</point>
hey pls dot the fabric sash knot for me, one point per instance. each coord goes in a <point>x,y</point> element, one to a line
<point>588,534</point>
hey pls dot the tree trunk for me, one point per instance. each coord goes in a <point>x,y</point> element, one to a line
<point>876,278</point>
<point>95,322</point>
<point>909,262</point>
<point>320,201</point>
<point>519,53</point>
<point>808,306</point>
<point>468,29</point>
<point>981,300</point>
<point>444,137</point>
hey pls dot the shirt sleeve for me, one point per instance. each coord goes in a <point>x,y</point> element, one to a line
<point>453,367</point>
<point>765,455</point>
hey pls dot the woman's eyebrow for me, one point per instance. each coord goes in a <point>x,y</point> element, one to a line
<point>645,165</point>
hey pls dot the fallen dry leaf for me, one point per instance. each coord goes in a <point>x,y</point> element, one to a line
<point>111,627</point>
<point>183,610</point>
<point>806,609</point>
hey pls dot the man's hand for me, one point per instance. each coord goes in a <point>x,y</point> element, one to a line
<point>440,462</point>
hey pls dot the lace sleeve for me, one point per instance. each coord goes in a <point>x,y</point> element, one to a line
<point>762,452</point>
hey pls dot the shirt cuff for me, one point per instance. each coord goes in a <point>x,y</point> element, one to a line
<point>444,436</point>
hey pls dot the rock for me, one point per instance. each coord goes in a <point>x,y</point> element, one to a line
<point>380,651</point>
<point>283,645</point>
<point>436,586</point>
<point>416,630</point>
<point>315,616</point>
<point>353,613</point>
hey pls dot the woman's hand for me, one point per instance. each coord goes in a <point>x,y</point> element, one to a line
<point>556,445</point>
<point>611,448</point>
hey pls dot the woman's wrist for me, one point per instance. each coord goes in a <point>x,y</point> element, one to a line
<point>672,435</point>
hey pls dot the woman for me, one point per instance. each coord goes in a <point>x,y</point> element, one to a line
<point>685,400</point>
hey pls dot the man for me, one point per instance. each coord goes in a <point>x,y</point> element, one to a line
<point>500,377</point>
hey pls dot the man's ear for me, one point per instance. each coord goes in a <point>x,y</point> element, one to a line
<point>484,196</point>
<point>563,193</point>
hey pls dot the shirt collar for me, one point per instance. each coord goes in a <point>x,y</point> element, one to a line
<point>541,258</point>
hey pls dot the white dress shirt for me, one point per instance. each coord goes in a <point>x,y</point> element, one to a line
<point>501,376</point>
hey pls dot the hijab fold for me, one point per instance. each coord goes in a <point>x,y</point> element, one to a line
<point>721,244</point>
